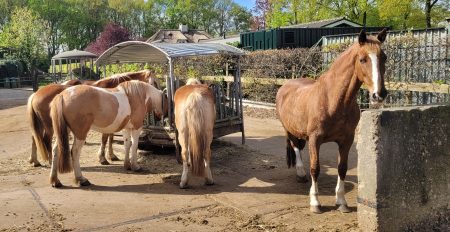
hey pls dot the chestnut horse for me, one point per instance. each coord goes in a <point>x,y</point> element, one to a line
<point>84,107</point>
<point>326,110</point>
<point>195,114</point>
<point>38,112</point>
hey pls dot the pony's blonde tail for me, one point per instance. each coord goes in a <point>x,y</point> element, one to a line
<point>62,135</point>
<point>38,131</point>
<point>195,120</point>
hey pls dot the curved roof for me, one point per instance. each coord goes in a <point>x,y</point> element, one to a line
<point>143,52</point>
<point>74,54</point>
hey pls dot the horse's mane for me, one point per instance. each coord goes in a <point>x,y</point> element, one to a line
<point>193,81</point>
<point>139,88</point>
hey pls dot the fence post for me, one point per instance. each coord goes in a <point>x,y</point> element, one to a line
<point>35,79</point>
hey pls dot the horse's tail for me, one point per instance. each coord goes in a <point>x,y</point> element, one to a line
<point>290,154</point>
<point>62,135</point>
<point>197,138</point>
<point>38,131</point>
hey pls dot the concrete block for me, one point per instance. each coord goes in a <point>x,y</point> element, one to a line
<point>404,169</point>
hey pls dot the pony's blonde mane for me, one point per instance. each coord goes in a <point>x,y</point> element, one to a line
<point>143,91</point>
<point>193,81</point>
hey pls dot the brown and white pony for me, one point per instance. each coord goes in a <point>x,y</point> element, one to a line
<point>113,81</point>
<point>81,108</point>
<point>195,114</point>
<point>38,111</point>
<point>326,110</point>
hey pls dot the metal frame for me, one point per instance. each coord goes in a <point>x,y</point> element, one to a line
<point>165,134</point>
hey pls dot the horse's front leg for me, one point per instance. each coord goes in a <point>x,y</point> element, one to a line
<point>76,151</point>
<point>127,143</point>
<point>314,145</point>
<point>344,148</point>
<point>134,146</point>
<point>111,155</point>
<point>101,151</point>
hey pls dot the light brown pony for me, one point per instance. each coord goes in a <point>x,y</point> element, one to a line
<point>113,81</point>
<point>38,112</point>
<point>83,107</point>
<point>326,110</point>
<point>195,114</point>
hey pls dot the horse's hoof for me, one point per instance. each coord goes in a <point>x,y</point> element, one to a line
<point>315,209</point>
<point>113,157</point>
<point>209,182</point>
<point>57,185</point>
<point>344,209</point>
<point>127,166</point>
<point>104,162</point>
<point>136,168</point>
<point>183,186</point>
<point>85,183</point>
<point>302,179</point>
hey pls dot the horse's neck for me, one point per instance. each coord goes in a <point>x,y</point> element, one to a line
<point>341,81</point>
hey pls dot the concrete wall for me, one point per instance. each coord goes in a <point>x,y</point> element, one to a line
<point>404,169</point>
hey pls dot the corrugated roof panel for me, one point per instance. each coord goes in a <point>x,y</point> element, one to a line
<point>141,52</point>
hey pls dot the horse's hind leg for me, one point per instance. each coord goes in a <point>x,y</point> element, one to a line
<point>111,155</point>
<point>76,150</point>
<point>185,157</point>
<point>33,157</point>
<point>208,175</point>
<point>344,148</point>
<point>54,181</point>
<point>314,145</point>
<point>296,145</point>
<point>101,151</point>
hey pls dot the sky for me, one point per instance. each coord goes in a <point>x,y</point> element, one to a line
<point>249,4</point>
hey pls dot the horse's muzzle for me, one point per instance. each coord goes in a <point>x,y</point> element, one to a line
<point>378,98</point>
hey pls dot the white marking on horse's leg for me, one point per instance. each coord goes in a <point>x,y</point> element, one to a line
<point>184,175</point>
<point>33,157</point>
<point>375,72</point>
<point>127,143</point>
<point>340,192</point>
<point>134,145</point>
<point>101,153</point>
<point>299,163</point>
<point>76,151</point>
<point>314,194</point>
<point>53,172</point>
<point>208,177</point>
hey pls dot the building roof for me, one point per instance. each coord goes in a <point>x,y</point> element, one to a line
<point>74,54</point>
<point>144,52</point>
<point>228,39</point>
<point>335,22</point>
<point>176,36</point>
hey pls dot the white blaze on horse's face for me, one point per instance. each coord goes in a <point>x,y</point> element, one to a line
<point>375,72</point>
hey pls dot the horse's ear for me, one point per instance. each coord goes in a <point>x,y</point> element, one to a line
<point>382,35</point>
<point>362,38</point>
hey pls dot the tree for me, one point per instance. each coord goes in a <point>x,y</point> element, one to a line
<point>25,33</point>
<point>111,35</point>
<point>428,5</point>
<point>224,8</point>
<point>262,7</point>
<point>240,17</point>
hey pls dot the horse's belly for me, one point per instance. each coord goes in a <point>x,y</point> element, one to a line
<point>121,119</point>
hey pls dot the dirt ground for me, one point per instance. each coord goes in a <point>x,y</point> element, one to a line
<point>254,190</point>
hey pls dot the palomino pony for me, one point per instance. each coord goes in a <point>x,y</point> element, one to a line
<point>38,111</point>
<point>195,114</point>
<point>326,110</point>
<point>83,107</point>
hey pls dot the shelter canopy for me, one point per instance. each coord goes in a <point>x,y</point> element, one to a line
<point>74,54</point>
<point>143,52</point>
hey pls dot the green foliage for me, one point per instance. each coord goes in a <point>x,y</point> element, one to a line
<point>25,34</point>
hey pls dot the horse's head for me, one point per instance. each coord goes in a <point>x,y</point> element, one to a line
<point>160,103</point>
<point>370,64</point>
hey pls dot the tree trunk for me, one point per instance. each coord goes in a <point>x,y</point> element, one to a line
<point>428,6</point>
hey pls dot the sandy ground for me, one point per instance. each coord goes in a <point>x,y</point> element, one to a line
<point>254,190</point>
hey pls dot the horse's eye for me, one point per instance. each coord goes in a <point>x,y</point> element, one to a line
<point>362,60</point>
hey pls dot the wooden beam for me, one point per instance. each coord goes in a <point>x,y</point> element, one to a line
<point>416,87</point>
